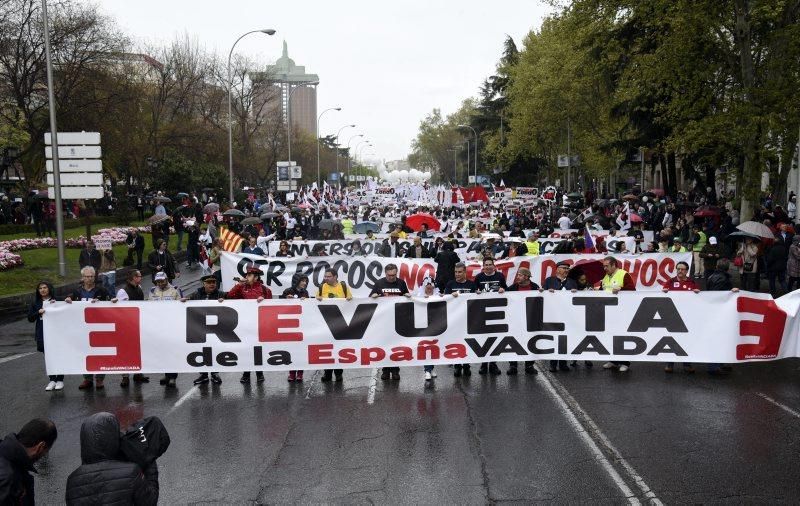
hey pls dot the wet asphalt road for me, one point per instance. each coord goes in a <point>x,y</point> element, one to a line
<point>588,435</point>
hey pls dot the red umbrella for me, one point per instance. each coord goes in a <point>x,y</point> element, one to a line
<point>658,192</point>
<point>635,218</point>
<point>706,212</point>
<point>592,268</point>
<point>415,221</point>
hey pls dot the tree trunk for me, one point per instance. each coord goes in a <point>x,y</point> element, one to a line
<point>750,183</point>
<point>673,174</point>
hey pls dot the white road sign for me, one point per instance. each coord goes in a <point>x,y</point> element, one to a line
<point>77,165</point>
<point>78,179</point>
<point>78,192</point>
<point>74,138</point>
<point>74,152</point>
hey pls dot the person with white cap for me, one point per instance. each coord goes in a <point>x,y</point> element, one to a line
<point>427,290</point>
<point>709,255</point>
<point>162,291</point>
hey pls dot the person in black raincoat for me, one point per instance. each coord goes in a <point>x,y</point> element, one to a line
<point>44,295</point>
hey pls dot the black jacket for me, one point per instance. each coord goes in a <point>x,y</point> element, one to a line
<point>137,242</point>
<point>719,281</point>
<point>34,316</point>
<point>16,482</point>
<point>104,479</point>
<point>201,294</point>
<point>167,264</point>
<point>90,258</point>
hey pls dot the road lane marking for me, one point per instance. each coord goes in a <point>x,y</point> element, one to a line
<point>183,399</point>
<point>782,406</point>
<point>592,435</point>
<point>311,385</point>
<point>14,357</point>
<point>373,386</point>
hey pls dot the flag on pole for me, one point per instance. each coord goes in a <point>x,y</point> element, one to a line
<point>587,239</point>
<point>231,241</point>
<point>624,218</point>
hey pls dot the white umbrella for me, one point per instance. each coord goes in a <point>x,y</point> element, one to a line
<point>756,228</point>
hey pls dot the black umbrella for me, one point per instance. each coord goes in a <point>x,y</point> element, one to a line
<point>208,189</point>
<point>252,220</point>
<point>269,216</point>
<point>741,236</point>
<point>233,212</point>
<point>161,198</point>
<point>328,224</point>
<point>211,208</point>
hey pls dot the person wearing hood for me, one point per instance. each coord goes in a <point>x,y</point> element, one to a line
<point>103,478</point>
<point>18,453</point>
<point>44,295</point>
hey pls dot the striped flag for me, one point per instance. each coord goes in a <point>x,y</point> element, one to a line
<point>231,241</point>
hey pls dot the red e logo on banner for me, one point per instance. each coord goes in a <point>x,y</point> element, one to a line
<point>769,331</point>
<point>125,338</point>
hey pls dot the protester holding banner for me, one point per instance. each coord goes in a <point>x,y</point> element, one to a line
<point>251,288</point>
<point>209,291</point>
<point>455,286</point>
<point>297,291</point>
<point>88,291</point>
<point>614,281</point>
<point>681,283</point>
<point>42,298</point>
<point>390,286</point>
<point>332,288</point>
<point>560,281</point>
<point>489,280</point>
<point>132,291</point>
<point>523,283</point>
<point>165,291</point>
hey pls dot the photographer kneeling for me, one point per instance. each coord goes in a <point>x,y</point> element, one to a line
<point>106,475</point>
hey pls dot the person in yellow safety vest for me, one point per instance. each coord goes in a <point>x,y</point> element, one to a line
<point>701,239</point>
<point>347,225</point>
<point>614,281</point>
<point>533,245</point>
<point>677,247</point>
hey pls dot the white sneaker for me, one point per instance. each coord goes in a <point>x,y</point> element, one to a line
<point>609,365</point>
<point>50,386</point>
<point>623,368</point>
<point>428,376</point>
<point>59,385</point>
<point>433,374</point>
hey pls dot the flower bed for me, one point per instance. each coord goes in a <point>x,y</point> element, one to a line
<point>9,259</point>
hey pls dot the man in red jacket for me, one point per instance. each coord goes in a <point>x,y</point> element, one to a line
<point>251,287</point>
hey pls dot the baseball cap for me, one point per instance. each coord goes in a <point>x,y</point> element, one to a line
<point>712,240</point>
<point>160,276</point>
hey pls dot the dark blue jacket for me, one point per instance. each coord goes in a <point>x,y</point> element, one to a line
<point>34,316</point>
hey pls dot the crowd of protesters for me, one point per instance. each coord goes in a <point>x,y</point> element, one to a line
<point>682,224</point>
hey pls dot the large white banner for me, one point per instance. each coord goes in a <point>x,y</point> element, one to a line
<point>279,335</point>
<point>648,271</point>
<point>466,248</point>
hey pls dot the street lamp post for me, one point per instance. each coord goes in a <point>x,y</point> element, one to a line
<point>319,183</point>
<point>359,146</point>
<point>62,263</point>
<point>268,31</point>
<point>337,145</point>
<point>348,154</point>
<point>289,113</point>
<point>455,165</point>
<point>476,150</point>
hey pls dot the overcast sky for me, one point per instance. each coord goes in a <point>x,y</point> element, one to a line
<point>387,64</point>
